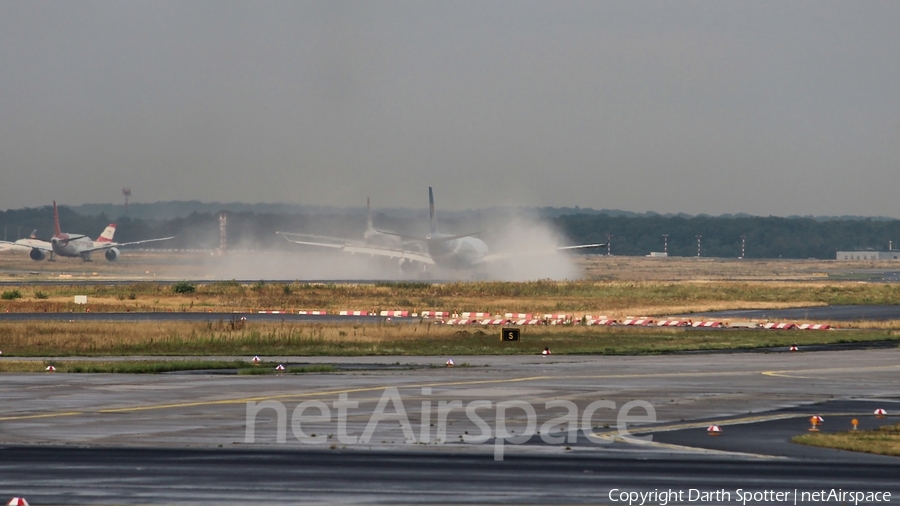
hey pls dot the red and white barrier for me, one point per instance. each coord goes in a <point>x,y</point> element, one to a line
<point>518,316</point>
<point>880,413</point>
<point>602,321</point>
<point>353,313</point>
<point>814,326</point>
<point>637,321</point>
<point>711,325</point>
<point>713,430</point>
<point>474,315</point>
<point>494,321</point>
<point>459,321</point>
<point>273,312</point>
<point>557,316</point>
<point>435,314</point>
<point>673,323</point>
<point>313,313</point>
<point>17,501</point>
<point>395,314</point>
<point>532,321</point>
<point>279,368</point>
<point>780,326</point>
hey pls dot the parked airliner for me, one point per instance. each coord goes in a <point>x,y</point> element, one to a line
<point>76,245</point>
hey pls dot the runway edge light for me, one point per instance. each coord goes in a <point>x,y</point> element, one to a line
<point>255,359</point>
<point>449,363</point>
<point>880,413</point>
<point>50,368</point>
<point>714,430</point>
<point>280,368</point>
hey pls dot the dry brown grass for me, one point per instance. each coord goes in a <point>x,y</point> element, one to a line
<point>221,338</point>
<point>882,441</point>
<point>611,298</point>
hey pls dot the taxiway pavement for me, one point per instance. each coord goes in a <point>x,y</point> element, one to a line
<point>78,438</point>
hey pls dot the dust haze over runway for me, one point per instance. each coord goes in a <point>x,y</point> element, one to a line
<point>527,245</point>
<point>105,425</point>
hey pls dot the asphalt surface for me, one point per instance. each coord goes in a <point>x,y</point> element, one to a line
<point>806,314</point>
<point>196,317</point>
<point>142,476</point>
<point>164,439</point>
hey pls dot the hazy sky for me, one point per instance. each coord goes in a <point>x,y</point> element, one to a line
<point>701,107</point>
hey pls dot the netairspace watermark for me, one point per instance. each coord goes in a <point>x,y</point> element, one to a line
<point>318,412</point>
<point>745,497</point>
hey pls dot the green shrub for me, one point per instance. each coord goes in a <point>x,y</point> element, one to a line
<point>184,287</point>
<point>11,294</point>
<point>40,295</point>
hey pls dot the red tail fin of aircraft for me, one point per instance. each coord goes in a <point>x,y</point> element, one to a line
<point>56,229</point>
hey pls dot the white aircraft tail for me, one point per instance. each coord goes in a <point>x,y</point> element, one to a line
<point>108,233</point>
<point>431,211</point>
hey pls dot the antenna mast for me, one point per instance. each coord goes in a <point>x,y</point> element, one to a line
<point>127,193</point>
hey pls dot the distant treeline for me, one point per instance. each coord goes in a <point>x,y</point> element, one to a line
<point>770,237</point>
<point>632,235</point>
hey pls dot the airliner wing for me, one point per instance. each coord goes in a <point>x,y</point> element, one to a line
<point>350,247</point>
<point>26,245</point>
<point>519,254</point>
<point>11,246</point>
<point>132,243</point>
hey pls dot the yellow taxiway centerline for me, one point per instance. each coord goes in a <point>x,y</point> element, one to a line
<point>243,400</point>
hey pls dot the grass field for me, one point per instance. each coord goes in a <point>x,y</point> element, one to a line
<point>221,338</point>
<point>711,285</point>
<point>882,441</point>
<point>610,298</point>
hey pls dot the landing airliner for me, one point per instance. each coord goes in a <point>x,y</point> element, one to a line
<point>444,250</point>
<point>76,245</point>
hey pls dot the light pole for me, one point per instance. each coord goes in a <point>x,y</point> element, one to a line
<point>608,247</point>
<point>127,193</point>
<point>666,244</point>
<point>698,245</point>
<point>743,245</point>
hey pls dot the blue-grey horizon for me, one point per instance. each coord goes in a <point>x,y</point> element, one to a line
<point>763,107</point>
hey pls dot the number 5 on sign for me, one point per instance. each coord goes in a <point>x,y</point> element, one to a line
<point>509,335</point>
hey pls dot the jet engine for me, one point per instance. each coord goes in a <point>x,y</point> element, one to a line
<point>38,254</point>
<point>112,254</point>
<point>407,266</point>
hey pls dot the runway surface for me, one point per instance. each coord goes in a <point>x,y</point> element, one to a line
<point>196,317</point>
<point>138,439</point>
<point>828,313</point>
<point>141,476</point>
<point>806,314</point>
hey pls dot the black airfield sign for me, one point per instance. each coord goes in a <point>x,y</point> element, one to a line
<point>509,335</point>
